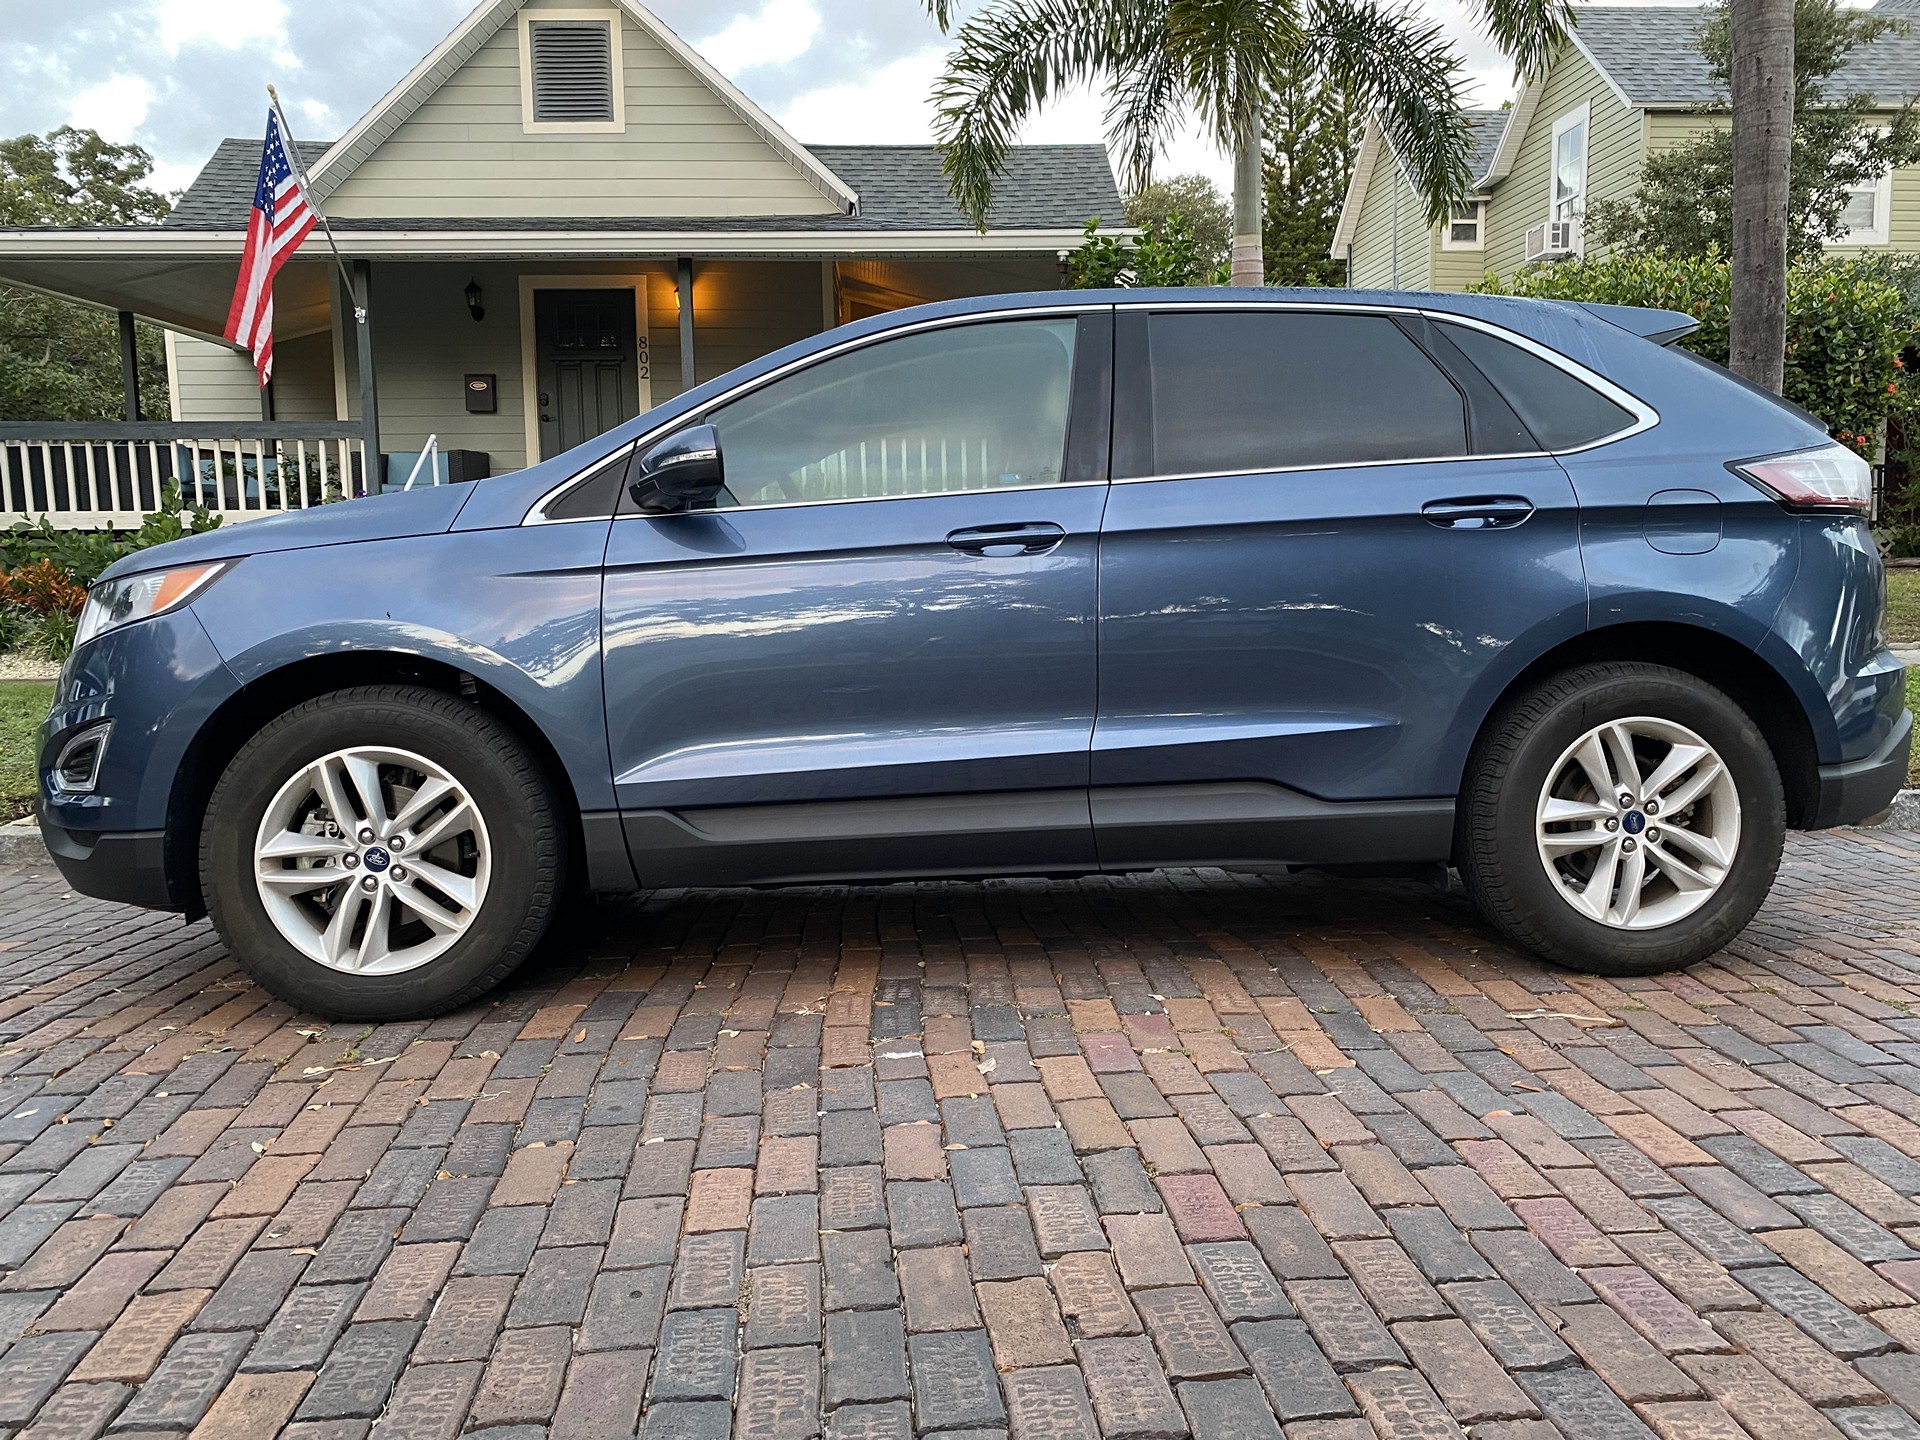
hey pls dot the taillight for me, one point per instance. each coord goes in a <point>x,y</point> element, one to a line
<point>1831,477</point>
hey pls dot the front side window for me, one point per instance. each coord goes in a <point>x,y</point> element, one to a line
<point>1240,391</point>
<point>1570,166</point>
<point>968,407</point>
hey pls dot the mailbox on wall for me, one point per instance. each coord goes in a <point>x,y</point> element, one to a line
<point>483,396</point>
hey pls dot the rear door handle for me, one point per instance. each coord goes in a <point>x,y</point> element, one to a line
<point>1002,541</point>
<point>1480,512</point>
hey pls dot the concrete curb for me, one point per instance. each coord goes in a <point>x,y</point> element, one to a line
<point>1905,814</point>
<point>20,844</point>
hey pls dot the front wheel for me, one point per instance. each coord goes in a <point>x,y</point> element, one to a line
<point>1623,818</point>
<point>382,853</point>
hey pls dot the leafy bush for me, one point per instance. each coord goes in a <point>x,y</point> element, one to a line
<point>1166,254</point>
<point>1847,324</point>
<point>44,572</point>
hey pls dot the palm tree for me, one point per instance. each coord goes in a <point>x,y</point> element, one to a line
<point>1161,60</point>
<point>1763,84</point>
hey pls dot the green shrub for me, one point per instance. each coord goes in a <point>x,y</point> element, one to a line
<point>1846,325</point>
<point>85,554</point>
<point>81,556</point>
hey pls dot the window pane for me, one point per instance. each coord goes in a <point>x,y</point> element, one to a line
<point>1569,172</point>
<point>1240,391</point>
<point>976,407</point>
<point>1859,213</point>
<point>1561,411</point>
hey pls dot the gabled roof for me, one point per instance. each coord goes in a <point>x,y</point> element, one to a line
<point>900,187</point>
<point>446,58</point>
<point>1652,56</point>
<point>1487,128</point>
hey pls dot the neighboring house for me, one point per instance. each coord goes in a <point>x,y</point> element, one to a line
<point>562,216</point>
<point>1628,84</point>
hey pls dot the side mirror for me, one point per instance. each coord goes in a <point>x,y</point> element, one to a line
<point>682,471</point>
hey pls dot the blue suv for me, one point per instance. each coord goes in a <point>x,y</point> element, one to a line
<point>1029,585</point>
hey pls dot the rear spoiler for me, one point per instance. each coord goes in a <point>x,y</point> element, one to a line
<point>1662,327</point>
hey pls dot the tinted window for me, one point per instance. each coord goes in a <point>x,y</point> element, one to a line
<point>1237,391</point>
<point>975,407</point>
<point>597,495</point>
<point>1562,412</point>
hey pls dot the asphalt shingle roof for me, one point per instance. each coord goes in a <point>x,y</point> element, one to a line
<point>1488,126</point>
<point>1046,187</point>
<point>1652,52</point>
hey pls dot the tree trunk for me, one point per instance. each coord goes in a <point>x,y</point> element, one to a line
<point>1249,259</point>
<point>1762,160</point>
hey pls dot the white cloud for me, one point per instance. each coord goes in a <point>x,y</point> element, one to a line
<point>116,107</point>
<point>227,24</point>
<point>890,106</point>
<point>782,32</point>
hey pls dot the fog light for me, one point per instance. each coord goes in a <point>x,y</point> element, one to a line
<point>77,770</point>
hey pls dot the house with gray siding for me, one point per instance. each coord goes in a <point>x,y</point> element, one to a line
<point>560,217</point>
<point>1629,83</point>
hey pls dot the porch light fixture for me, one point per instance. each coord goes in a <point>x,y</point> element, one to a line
<point>474,307</point>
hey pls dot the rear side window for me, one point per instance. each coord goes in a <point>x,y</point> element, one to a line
<point>1237,391</point>
<point>1561,411</point>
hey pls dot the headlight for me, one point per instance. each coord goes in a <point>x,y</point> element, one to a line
<point>114,603</point>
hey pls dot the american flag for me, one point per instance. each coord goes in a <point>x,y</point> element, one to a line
<point>281,219</point>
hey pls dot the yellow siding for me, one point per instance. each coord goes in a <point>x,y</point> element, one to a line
<point>1392,243</point>
<point>1614,151</point>
<point>1456,269</point>
<point>212,382</point>
<point>684,151</point>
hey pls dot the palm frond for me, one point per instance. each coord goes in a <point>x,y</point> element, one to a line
<point>942,13</point>
<point>1145,99</point>
<point>1529,31</point>
<point>1230,54</point>
<point>1008,61</point>
<point>1402,67</point>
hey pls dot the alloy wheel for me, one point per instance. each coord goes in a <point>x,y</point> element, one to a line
<point>1638,823</point>
<point>372,861</point>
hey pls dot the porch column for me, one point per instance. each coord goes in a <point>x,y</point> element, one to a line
<point>684,277</point>
<point>369,397</point>
<point>129,365</point>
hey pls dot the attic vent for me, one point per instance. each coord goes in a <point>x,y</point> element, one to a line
<point>572,63</point>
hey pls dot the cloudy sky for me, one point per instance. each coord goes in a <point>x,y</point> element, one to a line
<point>178,75</point>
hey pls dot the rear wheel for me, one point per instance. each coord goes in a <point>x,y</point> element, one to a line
<point>1623,818</point>
<point>382,853</point>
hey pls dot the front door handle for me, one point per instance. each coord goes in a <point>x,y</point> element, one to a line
<point>1001,541</point>
<point>1480,512</point>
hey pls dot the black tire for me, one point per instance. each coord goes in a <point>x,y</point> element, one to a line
<point>1496,844</point>
<point>513,794</point>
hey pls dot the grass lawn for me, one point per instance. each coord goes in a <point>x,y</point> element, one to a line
<point>1903,607</point>
<point>23,705</point>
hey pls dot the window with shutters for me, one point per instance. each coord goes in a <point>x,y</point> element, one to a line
<point>570,71</point>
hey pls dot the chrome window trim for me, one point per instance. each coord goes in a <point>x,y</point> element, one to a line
<point>536,514</point>
<point>1645,416</point>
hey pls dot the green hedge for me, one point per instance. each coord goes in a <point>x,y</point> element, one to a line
<point>1846,325</point>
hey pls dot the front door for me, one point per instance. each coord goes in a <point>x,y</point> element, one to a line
<point>875,655</point>
<point>1306,578</point>
<point>588,364</point>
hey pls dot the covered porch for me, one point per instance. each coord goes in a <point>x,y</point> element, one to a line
<point>494,354</point>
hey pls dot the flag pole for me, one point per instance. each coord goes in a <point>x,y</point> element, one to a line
<point>357,296</point>
<point>300,169</point>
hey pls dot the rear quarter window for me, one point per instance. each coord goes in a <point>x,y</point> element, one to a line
<point>1563,412</point>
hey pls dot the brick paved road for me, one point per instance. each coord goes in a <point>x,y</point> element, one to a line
<point>1119,1158</point>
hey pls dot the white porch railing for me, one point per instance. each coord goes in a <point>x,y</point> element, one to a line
<point>108,475</point>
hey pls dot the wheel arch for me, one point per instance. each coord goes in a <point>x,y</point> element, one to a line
<point>255,704</point>
<point>1749,678</point>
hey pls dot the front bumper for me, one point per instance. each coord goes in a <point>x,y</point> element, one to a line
<point>1857,790</point>
<point>129,868</point>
